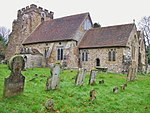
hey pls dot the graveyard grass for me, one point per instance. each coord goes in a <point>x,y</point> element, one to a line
<point>69,98</point>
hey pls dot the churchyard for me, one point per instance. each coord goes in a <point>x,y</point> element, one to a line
<point>95,93</point>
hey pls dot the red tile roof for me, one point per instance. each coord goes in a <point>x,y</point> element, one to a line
<point>111,36</point>
<point>57,30</point>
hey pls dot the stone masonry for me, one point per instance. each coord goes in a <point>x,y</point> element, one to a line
<point>27,20</point>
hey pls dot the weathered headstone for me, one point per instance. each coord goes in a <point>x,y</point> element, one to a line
<point>101,81</point>
<point>92,95</point>
<point>131,72</point>
<point>80,76</point>
<point>92,77</point>
<point>123,86</point>
<point>49,105</point>
<point>52,81</point>
<point>115,89</point>
<point>14,84</point>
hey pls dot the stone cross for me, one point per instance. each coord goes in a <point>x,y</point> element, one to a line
<point>92,77</point>
<point>53,80</point>
<point>80,76</point>
<point>14,84</point>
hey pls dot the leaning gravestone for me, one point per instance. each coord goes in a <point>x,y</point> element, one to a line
<point>52,81</point>
<point>92,77</point>
<point>131,72</point>
<point>14,84</point>
<point>80,76</point>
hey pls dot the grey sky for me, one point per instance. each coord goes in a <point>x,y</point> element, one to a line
<point>105,12</point>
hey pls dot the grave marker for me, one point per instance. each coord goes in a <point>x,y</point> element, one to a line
<point>14,84</point>
<point>131,72</point>
<point>92,77</point>
<point>92,95</point>
<point>52,81</point>
<point>80,76</point>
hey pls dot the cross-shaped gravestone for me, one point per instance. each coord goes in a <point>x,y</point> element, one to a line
<point>14,84</point>
<point>92,77</point>
<point>53,80</point>
<point>80,76</point>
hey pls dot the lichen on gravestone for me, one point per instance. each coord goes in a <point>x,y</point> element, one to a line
<point>80,76</point>
<point>14,84</point>
<point>92,78</point>
<point>53,79</point>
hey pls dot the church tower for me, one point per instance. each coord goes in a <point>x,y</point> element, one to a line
<point>27,21</point>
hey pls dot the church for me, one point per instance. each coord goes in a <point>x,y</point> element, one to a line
<point>74,42</point>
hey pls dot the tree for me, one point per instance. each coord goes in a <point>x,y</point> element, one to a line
<point>144,26</point>
<point>4,33</point>
<point>96,25</point>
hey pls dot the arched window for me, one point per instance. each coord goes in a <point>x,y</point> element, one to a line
<point>97,62</point>
<point>114,56</point>
<point>60,54</point>
<point>109,56</point>
<point>84,55</point>
<point>25,58</point>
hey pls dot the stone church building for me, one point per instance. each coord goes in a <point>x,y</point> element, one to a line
<point>73,42</point>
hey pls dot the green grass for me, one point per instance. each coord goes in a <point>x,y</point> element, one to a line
<point>69,98</point>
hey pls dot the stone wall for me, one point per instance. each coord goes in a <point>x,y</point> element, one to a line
<point>27,21</point>
<point>102,54</point>
<point>69,47</point>
<point>134,41</point>
<point>33,60</point>
<point>118,65</point>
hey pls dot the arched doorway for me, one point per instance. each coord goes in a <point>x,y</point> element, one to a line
<point>97,62</point>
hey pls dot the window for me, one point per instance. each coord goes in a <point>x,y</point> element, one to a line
<point>84,56</point>
<point>97,62</point>
<point>133,51</point>
<point>112,55</point>
<point>60,54</point>
<point>109,56</point>
<point>87,24</point>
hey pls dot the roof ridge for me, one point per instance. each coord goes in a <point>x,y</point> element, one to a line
<point>119,25</point>
<point>72,15</point>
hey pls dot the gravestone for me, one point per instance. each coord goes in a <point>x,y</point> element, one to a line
<point>123,86</point>
<point>92,95</point>
<point>49,105</point>
<point>53,80</point>
<point>115,89</point>
<point>92,77</point>
<point>131,72</point>
<point>80,76</point>
<point>14,84</point>
<point>101,81</point>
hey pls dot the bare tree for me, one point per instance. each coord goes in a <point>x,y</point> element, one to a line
<point>144,25</point>
<point>4,33</point>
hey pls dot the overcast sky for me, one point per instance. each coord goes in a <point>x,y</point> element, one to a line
<point>105,12</point>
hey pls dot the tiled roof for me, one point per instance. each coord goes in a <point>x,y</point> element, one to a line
<point>56,30</point>
<point>111,36</point>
